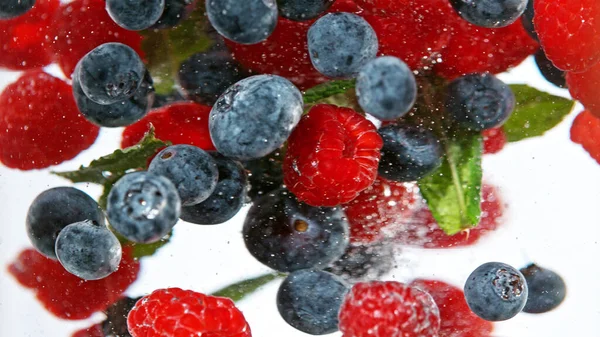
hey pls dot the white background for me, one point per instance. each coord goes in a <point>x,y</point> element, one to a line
<point>551,186</point>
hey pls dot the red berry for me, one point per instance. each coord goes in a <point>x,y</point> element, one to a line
<point>493,140</point>
<point>185,313</point>
<point>66,295</point>
<point>40,123</point>
<point>22,39</point>
<point>93,331</point>
<point>332,156</point>
<point>179,123</point>
<point>586,131</point>
<point>383,309</point>
<point>81,26</point>
<point>583,86</point>
<point>384,7</point>
<point>457,320</point>
<point>568,31</point>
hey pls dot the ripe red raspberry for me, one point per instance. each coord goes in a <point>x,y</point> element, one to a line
<point>382,309</point>
<point>586,131</point>
<point>22,39</point>
<point>40,123</point>
<point>179,123</point>
<point>457,320</point>
<point>81,26</point>
<point>93,331</point>
<point>66,295</point>
<point>583,86</point>
<point>493,140</point>
<point>332,156</point>
<point>384,7</point>
<point>568,31</point>
<point>185,313</point>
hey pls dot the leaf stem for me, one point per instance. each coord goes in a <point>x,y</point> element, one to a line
<point>456,181</point>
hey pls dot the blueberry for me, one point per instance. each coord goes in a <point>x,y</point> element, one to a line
<point>161,100</point>
<point>53,210</point>
<point>365,262</point>
<point>301,10</point>
<point>490,13</point>
<point>205,76</point>
<point>547,290</point>
<point>496,291</point>
<point>116,317</point>
<point>549,71</point>
<point>265,174</point>
<point>10,9</point>
<point>409,152</point>
<point>227,198</point>
<point>479,101</point>
<point>386,88</point>
<point>255,116</point>
<point>135,14</point>
<point>243,21</point>
<point>193,172</point>
<point>110,73</point>
<point>88,250</point>
<point>527,20</point>
<point>287,235</point>
<point>340,44</point>
<point>175,11</point>
<point>143,207</point>
<point>117,114</point>
<point>310,300</point>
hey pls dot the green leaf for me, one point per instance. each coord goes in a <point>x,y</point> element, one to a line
<point>535,113</point>
<point>323,91</point>
<point>140,250</point>
<point>238,291</point>
<point>166,49</point>
<point>452,191</point>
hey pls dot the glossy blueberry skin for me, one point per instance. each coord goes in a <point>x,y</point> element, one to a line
<point>409,152</point>
<point>547,290</point>
<point>549,71</point>
<point>143,207</point>
<point>302,10</point>
<point>340,44</point>
<point>246,22</point>
<point>117,114</point>
<point>287,235</point>
<point>255,116</point>
<point>479,101</point>
<point>10,9</point>
<point>205,76</point>
<point>135,14</point>
<point>386,88</point>
<point>175,11</point>
<point>110,73</point>
<point>310,300</point>
<point>192,170</point>
<point>88,250</point>
<point>226,200</point>
<point>365,262</point>
<point>53,210</point>
<point>496,291</point>
<point>527,20</point>
<point>490,13</point>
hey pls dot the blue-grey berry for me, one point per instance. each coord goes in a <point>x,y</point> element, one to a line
<point>549,71</point>
<point>53,210</point>
<point>490,13</point>
<point>143,207</point>
<point>547,290</point>
<point>175,11</point>
<point>365,262</point>
<point>496,291</point>
<point>302,10</point>
<point>192,170</point>
<point>243,21</point>
<point>135,14</point>
<point>527,20</point>
<point>386,88</point>
<point>255,116</point>
<point>88,250</point>
<point>110,73</point>
<point>10,9</point>
<point>340,44</point>
<point>227,198</point>
<point>479,101</point>
<point>310,300</point>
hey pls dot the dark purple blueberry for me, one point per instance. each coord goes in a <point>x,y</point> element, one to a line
<point>547,290</point>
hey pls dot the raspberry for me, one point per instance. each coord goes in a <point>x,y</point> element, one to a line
<point>179,123</point>
<point>457,320</point>
<point>493,140</point>
<point>22,39</point>
<point>381,309</point>
<point>568,31</point>
<point>332,155</point>
<point>40,123</point>
<point>69,42</point>
<point>586,131</point>
<point>584,87</point>
<point>93,331</point>
<point>66,295</point>
<point>185,313</point>
<point>384,7</point>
